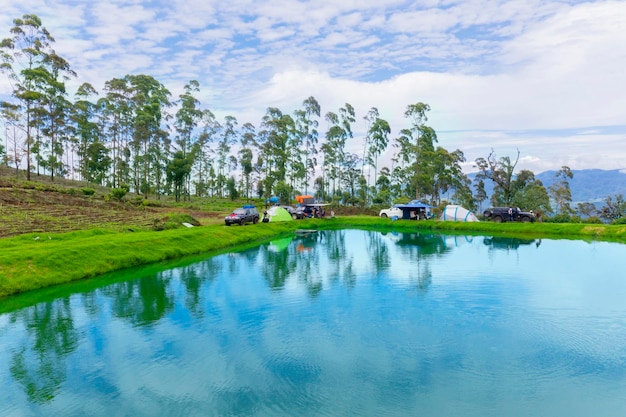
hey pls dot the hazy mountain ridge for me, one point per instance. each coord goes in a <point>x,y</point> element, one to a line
<point>588,185</point>
<point>591,185</point>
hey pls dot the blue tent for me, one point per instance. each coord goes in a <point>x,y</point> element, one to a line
<point>415,209</point>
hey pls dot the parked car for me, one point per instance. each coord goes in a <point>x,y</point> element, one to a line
<point>391,212</point>
<point>506,214</point>
<point>246,214</point>
<point>303,212</point>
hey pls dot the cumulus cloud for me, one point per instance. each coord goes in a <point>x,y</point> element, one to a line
<point>506,74</point>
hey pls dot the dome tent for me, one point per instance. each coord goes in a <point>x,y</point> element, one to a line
<point>279,245</point>
<point>276,214</point>
<point>458,214</point>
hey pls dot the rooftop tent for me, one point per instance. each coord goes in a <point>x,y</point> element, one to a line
<point>458,214</point>
<point>305,199</point>
<point>277,214</point>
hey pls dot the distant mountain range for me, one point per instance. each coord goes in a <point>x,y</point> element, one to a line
<point>588,185</point>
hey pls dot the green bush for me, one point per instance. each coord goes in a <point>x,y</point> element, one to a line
<point>88,191</point>
<point>593,220</point>
<point>558,218</point>
<point>174,221</point>
<point>118,194</point>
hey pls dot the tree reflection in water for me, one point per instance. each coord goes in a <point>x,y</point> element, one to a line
<point>39,366</point>
<point>315,261</point>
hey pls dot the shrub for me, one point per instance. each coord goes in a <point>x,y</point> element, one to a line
<point>593,220</point>
<point>174,221</point>
<point>151,203</point>
<point>118,194</point>
<point>88,191</point>
<point>558,218</point>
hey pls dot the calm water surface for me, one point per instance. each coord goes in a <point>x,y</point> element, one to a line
<point>346,323</point>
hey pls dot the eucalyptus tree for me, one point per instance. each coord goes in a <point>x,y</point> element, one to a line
<point>369,118</point>
<point>22,57</point>
<point>186,121</point>
<point>55,71</point>
<point>480,194</point>
<point>586,209</point>
<point>529,193</point>
<point>377,144</point>
<point>14,130</point>
<point>248,138</point>
<point>204,169</point>
<point>447,175</point>
<point>383,187</point>
<point>273,141</point>
<point>350,175</point>
<point>334,149</point>
<point>86,136</point>
<point>307,124</point>
<point>227,137</point>
<point>320,186</point>
<point>187,117</point>
<point>500,172</point>
<point>178,170</point>
<point>614,208</point>
<point>560,190</point>
<point>416,152</point>
<point>149,100</point>
<point>116,125</point>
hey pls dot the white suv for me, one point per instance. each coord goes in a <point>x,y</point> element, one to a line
<point>391,212</point>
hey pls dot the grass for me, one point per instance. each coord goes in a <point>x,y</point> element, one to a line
<point>53,233</point>
<point>36,260</point>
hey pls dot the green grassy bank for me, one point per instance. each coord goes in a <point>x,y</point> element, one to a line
<point>34,261</point>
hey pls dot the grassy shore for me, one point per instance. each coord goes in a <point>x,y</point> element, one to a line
<point>34,261</point>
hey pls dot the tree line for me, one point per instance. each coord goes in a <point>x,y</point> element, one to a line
<point>134,135</point>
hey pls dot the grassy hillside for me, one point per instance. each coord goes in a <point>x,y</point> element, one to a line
<point>45,206</point>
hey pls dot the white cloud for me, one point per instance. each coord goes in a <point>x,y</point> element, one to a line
<point>497,74</point>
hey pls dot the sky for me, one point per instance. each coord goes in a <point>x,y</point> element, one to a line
<point>540,76</point>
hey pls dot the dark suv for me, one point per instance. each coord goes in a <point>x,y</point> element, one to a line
<point>507,214</point>
<point>246,214</point>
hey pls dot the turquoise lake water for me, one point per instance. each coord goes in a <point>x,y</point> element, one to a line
<point>337,323</point>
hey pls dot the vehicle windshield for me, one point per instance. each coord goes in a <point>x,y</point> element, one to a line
<point>239,211</point>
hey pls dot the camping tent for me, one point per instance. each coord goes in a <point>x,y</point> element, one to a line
<point>415,210</point>
<point>458,214</point>
<point>305,199</point>
<point>279,245</point>
<point>276,214</point>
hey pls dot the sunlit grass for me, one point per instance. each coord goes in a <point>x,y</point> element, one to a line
<point>38,260</point>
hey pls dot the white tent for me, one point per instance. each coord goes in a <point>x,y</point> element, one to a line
<point>458,214</point>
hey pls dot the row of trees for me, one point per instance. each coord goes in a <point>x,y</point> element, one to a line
<point>136,135</point>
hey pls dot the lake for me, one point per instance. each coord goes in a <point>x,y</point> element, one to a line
<point>334,323</point>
